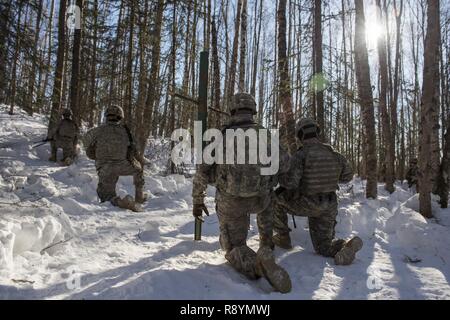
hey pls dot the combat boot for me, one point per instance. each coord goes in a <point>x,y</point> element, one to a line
<point>126,203</point>
<point>140,197</point>
<point>267,267</point>
<point>347,254</point>
<point>282,240</point>
<point>68,161</point>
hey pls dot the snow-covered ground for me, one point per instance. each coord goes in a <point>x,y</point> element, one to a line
<point>58,242</point>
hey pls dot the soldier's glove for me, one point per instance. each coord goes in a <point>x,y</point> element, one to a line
<point>198,210</point>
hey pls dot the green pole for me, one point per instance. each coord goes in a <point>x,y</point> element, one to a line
<point>202,115</point>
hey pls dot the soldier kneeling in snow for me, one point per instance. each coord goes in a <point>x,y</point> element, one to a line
<point>112,147</point>
<point>65,136</point>
<point>309,189</point>
<point>413,173</point>
<point>241,191</point>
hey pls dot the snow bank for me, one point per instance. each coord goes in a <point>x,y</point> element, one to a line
<point>150,232</point>
<point>413,232</point>
<point>31,227</point>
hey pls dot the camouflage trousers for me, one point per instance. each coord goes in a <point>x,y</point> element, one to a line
<point>109,173</point>
<point>68,147</point>
<point>321,211</point>
<point>234,222</point>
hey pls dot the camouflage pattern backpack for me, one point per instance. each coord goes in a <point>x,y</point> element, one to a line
<point>67,129</point>
<point>321,169</point>
<point>243,180</point>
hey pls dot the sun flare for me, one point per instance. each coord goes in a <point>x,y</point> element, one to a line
<point>374,30</point>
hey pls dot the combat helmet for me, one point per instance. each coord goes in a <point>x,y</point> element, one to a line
<point>243,101</point>
<point>67,113</point>
<point>114,111</point>
<point>307,127</point>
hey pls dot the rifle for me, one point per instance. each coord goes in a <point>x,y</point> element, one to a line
<point>130,153</point>
<point>41,143</point>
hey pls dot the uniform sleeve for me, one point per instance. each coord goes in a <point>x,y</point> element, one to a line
<point>54,132</point>
<point>134,153</point>
<point>77,131</point>
<point>291,171</point>
<point>347,170</point>
<point>200,183</point>
<point>89,138</point>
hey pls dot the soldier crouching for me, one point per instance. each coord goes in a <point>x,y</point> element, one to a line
<point>308,189</point>
<point>412,176</point>
<point>241,191</point>
<point>65,136</point>
<point>112,147</point>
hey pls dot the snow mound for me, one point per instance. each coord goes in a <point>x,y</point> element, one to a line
<point>151,232</point>
<point>414,233</point>
<point>31,227</point>
<point>40,186</point>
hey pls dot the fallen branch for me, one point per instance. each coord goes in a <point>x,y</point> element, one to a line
<point>22,281</point>
<point>408,259</point>
<point>55,244</point>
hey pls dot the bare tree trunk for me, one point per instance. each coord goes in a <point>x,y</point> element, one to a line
<point>144,130</point>
<point>5,13</point>
<point>443,179</point>
<point>385,120</point>
<point>216,72</point>
<point>112,81</point>
<point>173,57</point>
<point>366,100</point>
<point>429,110</point>
<point>285,81</point>
<point>318,67</point>
<point>394,102</point>
<point>93,75</point>
<point>128,106</point>
<point>243,47</point>
<point>49,55</point>
<point>186,108</point>
<point>75,80</point>
<point>257,35</point>
<point>234,55</point>
<point>59,71</point>
<point>34,61</point>
<point>15,61</point>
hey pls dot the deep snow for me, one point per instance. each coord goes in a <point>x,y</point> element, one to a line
<point>58,242</point>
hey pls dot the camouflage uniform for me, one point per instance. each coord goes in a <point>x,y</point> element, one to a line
<point>65,136</point>
<point>308,189</point>
<point>412,174</point>
<point>240,193</point>
<point>112,147</point>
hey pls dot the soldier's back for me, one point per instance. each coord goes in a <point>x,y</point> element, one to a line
<point>321,169</point>
<point>237,180</point>
<point>111,142</point>
<point>67,129</point>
